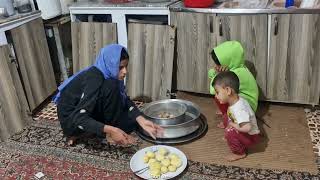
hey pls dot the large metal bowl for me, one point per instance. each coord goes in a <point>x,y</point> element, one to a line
<point>158,110</point>
<point>191,122</point>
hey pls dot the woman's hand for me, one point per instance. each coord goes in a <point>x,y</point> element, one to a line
<point>152,129</point>
<point>117,136</point>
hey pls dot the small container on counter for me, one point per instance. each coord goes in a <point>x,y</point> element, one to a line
<point>8,7</point>
<point>23,6</point>
<point>289,3</point>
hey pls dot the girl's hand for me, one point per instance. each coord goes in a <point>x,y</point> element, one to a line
<point>151,128</point>
<point>221,68</point>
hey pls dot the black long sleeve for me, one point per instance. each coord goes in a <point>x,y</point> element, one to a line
<point>134,112</point>
<point>78,101</point>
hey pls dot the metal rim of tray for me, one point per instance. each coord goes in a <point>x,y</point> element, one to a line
<point>200,132</point>
<point>149,105</point>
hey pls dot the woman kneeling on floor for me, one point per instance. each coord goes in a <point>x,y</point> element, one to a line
<point>94,101</point>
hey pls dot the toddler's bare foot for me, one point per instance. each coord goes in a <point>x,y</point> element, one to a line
<point>71,140</point>
<point>234,157</point>
<point>220,125</point>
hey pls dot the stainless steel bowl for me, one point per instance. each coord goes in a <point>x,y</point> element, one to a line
<point>191,121</point>
<point>158,110</point>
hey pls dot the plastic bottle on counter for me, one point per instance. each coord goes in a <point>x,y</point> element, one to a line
<point>308,3</point>
<point>49,8</point>
<point>289,3</point>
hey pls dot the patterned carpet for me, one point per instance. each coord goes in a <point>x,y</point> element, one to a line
<point>41,147</point>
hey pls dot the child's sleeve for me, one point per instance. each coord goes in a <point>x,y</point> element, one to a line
<point>242,116</point>
<point>212,74</point>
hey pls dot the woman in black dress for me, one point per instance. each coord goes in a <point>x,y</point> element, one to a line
<point>94,101</point>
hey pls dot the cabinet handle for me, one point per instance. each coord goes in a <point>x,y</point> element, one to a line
<point>211,24</point>
<point>276,26</point>
<point>220,28</point>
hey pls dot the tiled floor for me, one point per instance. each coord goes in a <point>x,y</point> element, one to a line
<point>49,112</point>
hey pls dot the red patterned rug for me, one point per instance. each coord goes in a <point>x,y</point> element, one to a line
<point>41,147</point>
<point>15,164</point>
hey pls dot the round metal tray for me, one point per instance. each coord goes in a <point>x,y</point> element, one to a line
<point>201,131</point>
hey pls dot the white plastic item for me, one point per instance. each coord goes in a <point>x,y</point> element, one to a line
<point>49,8</point>
<point>308,3</point>
<point>65,6</point>
<point>8,7</point>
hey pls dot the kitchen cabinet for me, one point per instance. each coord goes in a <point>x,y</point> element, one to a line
<point>196,36</point>
<point>294,64</point>
<point>14,108</point>
<point>199,33</point>
<point>151,49</point>
<point>87,40</point>
<point>252,32</point>
<point>31,49</point>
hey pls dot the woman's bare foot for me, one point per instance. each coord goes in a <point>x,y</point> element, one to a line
<point>234,157</point>
<point>71,140</point>
<point>220,125</point>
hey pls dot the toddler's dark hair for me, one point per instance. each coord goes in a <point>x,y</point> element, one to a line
<point>227,79</point>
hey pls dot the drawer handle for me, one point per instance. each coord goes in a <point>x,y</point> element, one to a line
<point>220,28</point>
<point>211,24</point>
<point>276,26</point>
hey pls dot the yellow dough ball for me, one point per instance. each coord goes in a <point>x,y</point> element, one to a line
<point>155,173</point>
<point>164,169</point>
<point>145,159</point>
<point>155,165</point>
<point>163,151</point>
<point>173,156</point>
<point>159,157</point>
<point>150,154</point>
<point>172,168</point>
<point>176,162</point>
<point>166,162</point>
<point>151,161</point>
